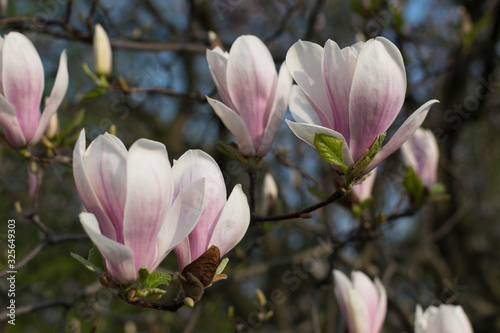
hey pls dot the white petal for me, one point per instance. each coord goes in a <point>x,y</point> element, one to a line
<point>235,125</point>
<point>119,258</point>
<point>10,124</point>
<point>233,222</point>
<point>56,97</point>
<point>181,219</point>
<point>150,187</point>
<point>402,134</point>
<point>301,109</point>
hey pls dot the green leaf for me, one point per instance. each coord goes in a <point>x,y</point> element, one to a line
<point>156,278</point>
<point>95,258</point>
<point>95,92</point>
<point>88,265</point>
<point>376,146</point>
<point>143,275</point>
<point>330,149</point>
<point>222,265</point>
<point>413,185</point>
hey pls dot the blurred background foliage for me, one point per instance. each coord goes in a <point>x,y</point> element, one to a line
<point>447,252</point>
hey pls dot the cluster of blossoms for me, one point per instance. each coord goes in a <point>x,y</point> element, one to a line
<point>139,208</point>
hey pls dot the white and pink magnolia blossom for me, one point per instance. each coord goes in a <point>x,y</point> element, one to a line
<point>353,94</point>
<point>421,152</point>
<point>363,191</point>
<point>133,216</point>
<point>21,88</point>
<point>446,318</point>
<point>223,222</point>
<point>363,303</point>
<point>255,97</point>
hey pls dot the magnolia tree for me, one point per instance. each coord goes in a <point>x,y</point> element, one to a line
<point>288,213</point>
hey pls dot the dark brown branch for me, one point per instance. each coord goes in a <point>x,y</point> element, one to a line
<point>337,195</point>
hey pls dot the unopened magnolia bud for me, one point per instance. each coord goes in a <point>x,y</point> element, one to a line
<point>102,52</point>
<point>53,127</point>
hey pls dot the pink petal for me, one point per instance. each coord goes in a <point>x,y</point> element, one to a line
<point>402,134</point>
<point>342,285</point>
<point>306,132</point>
<point>86,191</point>
<point>192,166</point>
<point>235,125</point>
<point>23,81</point>
<point>421,152</point>
<point>377,93</point>
<point>118,258</point>
<point>233,222</point>
<point>251,80</point>
<point>381,306</point>
<point>55,99</point>
<point>217,63</point>
<point>305,63</point>
<point>301,109</point>
<point>10,124</point>
<point>351,54</point>
<point>183,253</point>
<point>338,80</point>
<point>277,111</point>
<point>181,219</point>
<point>105,163</point>
<point>149,190</point>
<point>366,289</point>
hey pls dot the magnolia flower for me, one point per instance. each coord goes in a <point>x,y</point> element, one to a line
<point>21,88</point>
<point>223,223</point>
<point>362,302</point>
<point>446,318</point>
<point>269,195</point>
<point>102,52</point>
<point>254,97</point>
<point>353,94</point>
<point>134,217</point>
<point>421,152</point>
<point>363,191</point>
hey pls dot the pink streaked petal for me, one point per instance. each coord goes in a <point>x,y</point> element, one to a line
<point>233,222</point>
<point>359,313</point>
<point>305,63</point>
<point>377,93</point>
<point>402,134</point>
<point>10,124</point>
<point>277,111</point>
<point>105,163</point>
<point>422,153</point>
<point>183,253</point>
<point>55,99</point>
<point>381,307</point>
<point>350,54</point>
<point>23,81</point>
<point>341,287</point>
<point>149,189</point>
<point>86,191</point>
<point>191,166</point>
<point>2,40</point>
<point>306,132</point>
<point>119,258</point>
<point>235,125</point>
<point>301,109</point>
<point>338,80</point>
<point>366,289</point>
<point>251,80</point>
<point>181,219</point>
<point>217,63</point>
